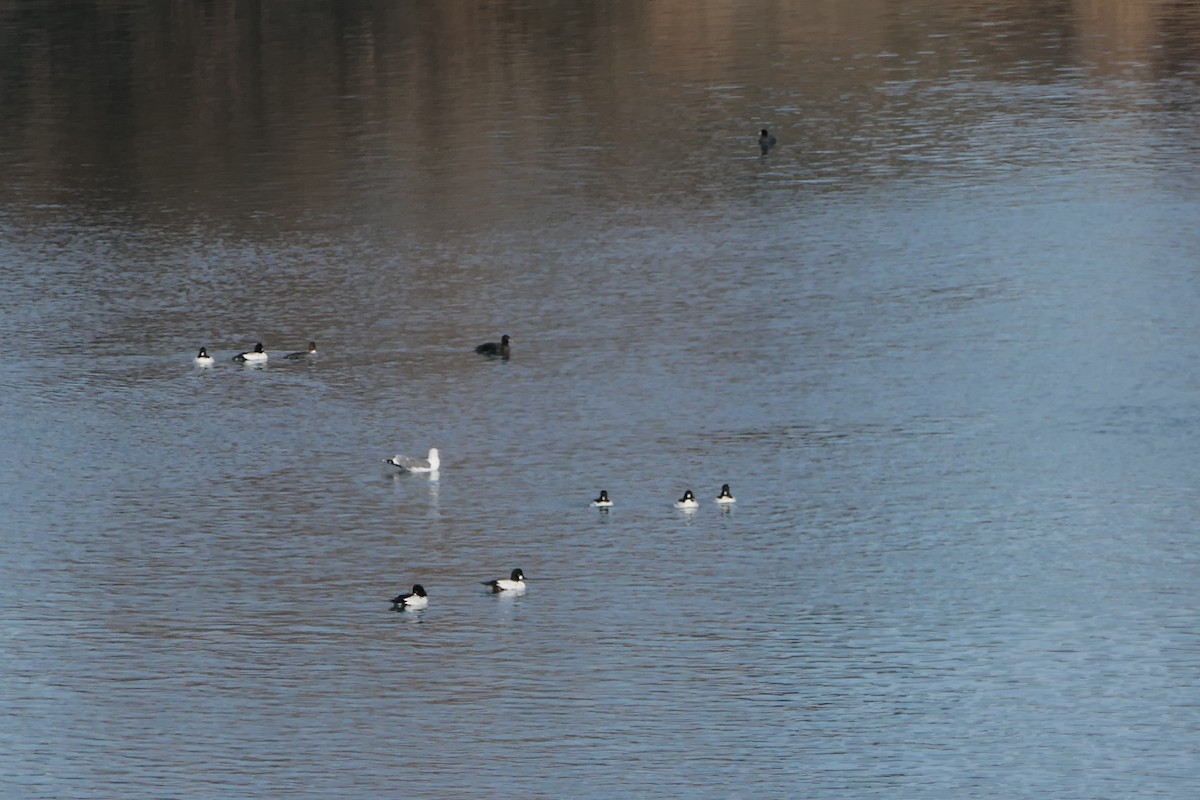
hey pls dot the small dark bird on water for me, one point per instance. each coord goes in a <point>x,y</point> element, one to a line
<point>766,141</point>
<point>311,351</point>
<point>494,349</point>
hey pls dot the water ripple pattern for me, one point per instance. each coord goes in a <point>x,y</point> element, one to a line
<point>940,340</point>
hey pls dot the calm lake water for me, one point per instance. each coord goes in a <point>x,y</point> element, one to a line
<point>942,341</point>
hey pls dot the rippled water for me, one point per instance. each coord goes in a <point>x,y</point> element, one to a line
<point>941,341</point>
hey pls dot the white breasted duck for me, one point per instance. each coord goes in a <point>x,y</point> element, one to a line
<point>254,356</point>
<point>416,463</point>
<point>494,349</point>
<point>515,582</point>
<point>311,352</point>
<point>413,601</point>
<point>687,501</point>
<point>725,497</point>
<point>602,501</point>
<point>203,359</point>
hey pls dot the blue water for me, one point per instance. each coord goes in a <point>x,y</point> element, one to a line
<point>940,341</point>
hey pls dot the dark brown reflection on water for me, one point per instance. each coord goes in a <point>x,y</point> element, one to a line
<point>225,104</point>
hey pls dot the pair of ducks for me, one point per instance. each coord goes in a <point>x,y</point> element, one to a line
<point>418,599</point>
<point>257,355</point>
<point>687,501</point>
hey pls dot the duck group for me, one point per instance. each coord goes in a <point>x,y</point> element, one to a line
<point>514,584</point>
<point>418,599</point>
<point>258,355</point>
<point>688,501</point>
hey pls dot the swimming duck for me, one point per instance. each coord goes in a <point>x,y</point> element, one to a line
<point>204,359</point>
<point>254,355</point>
<point>414,600</point>
<point>515,582</point>
<point>765,140</point>
<point>416,463</point>
<point>311,351</point>
<point>493,349</point>
<point>725,496</point>
<point>602,501</point>
<point>687,501</point>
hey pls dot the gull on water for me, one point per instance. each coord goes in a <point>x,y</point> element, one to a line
<point>416,463</point>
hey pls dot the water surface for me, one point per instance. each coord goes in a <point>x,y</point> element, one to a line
<point>940,340</point>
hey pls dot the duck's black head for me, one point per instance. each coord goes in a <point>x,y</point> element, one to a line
<point>517,575</point>
<point>688,495</point>
<point>312,347</point>
<point>258,347</point>
<point>203,353</point>
<point>418,590</point>
<point>763,133</point>
<point>504,340</point>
